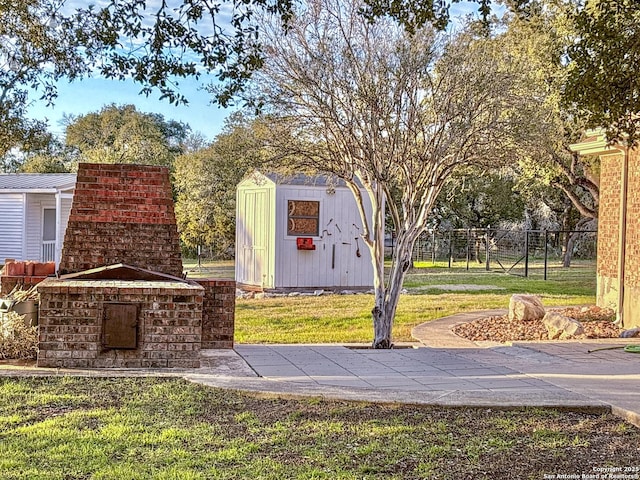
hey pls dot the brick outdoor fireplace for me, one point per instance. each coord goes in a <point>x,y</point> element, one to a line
<point>120,298</point>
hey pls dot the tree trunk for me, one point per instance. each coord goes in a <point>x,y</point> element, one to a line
<point>477,249</point>
<point>568,249</point>
<point>571,240</point>
<point>566,226</point>
<point>387,297</point>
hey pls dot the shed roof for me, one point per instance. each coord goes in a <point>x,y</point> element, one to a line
<point>302,179</point>
<point>36,182</point>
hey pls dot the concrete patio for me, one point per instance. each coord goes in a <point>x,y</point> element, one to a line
<point>441,369</point>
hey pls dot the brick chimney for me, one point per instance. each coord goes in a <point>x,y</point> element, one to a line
<point>122,214</point>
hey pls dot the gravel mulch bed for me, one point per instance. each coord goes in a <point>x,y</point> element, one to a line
<point>597,323</point>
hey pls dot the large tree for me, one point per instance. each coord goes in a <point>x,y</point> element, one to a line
<point>122,134</point>
<point>156,44</point>
<point>540,37</point>
<point>477,198</point>
<point>603,56</point>
<point>205,181</point>
<point>153,43</point>
<point>387,111</point>
<point>603,73</point>
<point>38,46</point>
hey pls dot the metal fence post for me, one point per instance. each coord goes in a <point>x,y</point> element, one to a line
<point>450,249</point>
<point>486,236</point>
<point>546,252</point>
<point>468,246</point>
<point>526,253</point>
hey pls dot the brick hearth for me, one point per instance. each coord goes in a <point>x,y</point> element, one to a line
<point>71,323</point>
<point>120,299</point>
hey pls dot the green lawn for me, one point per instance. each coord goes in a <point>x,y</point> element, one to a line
<point>152,428</point>
<point>208,268</point>
<point>347,318</point>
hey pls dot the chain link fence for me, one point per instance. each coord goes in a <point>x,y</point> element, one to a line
<point>528,253</point>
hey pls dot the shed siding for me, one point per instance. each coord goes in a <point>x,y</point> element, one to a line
<point>11,219</point>
<point>269,258</point>
<point>334,263</point>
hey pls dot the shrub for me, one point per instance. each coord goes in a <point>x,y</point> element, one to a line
<point>17,341</point>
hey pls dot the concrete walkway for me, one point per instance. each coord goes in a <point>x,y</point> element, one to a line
<point>442,369</point>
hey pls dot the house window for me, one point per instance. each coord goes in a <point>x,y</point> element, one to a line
<point>303,217</point>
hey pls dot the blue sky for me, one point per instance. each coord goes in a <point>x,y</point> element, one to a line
<point>91,94</point>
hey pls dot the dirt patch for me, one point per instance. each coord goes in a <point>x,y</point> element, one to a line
<point>597,323</point>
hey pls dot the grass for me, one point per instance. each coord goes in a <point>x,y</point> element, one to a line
<point>347,318</point>
<point>139,428</point>
<point>208,268</point>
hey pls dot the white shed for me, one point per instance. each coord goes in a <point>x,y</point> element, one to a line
<point>299,232</point>
<point>34,210</point>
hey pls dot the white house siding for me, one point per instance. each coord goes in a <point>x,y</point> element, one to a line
<point>64,220</point>
<point>11,221</point>
<point>340,226</point>
<point>33,234</point>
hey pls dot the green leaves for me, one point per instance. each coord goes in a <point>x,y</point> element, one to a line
<point>603,74</point>
<point>205,181</point>
<point>38,46</point>
<point>122,134</point>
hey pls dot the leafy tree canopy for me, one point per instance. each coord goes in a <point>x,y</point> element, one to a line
<point>43,41</point>
<point>540,39</point>
<point>205,181</point>
<point>478,199</point>
<point>605,60</point>
<point>603,56</point>
<point>122,134</point>
<point>38,46</point>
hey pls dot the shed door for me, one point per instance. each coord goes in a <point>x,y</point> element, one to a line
<point>254,245</point>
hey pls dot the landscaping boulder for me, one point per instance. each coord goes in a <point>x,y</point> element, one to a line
<point>560,327</point>
<point>525,308</point>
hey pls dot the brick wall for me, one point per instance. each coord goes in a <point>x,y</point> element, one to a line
<point>631,317</point>
<point>608,290</point>
<point>609,216</point>
<point>632,265</point>
<point>122,214</point>
<point>70,332</point>
<point>25,274</point>
<point>218,312</point>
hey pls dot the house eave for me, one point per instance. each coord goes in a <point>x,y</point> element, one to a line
<point>595,144</point>
<point>67,188</point>
<point>52,191</point>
